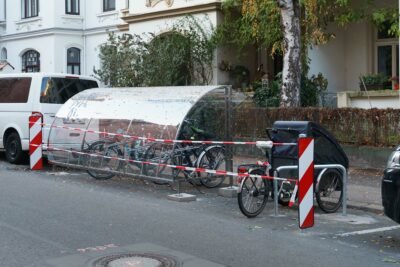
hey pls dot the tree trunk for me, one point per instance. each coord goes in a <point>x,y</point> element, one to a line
<point>291,74</point>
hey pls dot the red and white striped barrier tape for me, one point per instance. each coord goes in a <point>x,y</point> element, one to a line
<point>35,142</point>
<point>169,141</point>
<point>192,169</point>
<point>306,182</point>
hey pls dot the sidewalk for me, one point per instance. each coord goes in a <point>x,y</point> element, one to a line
<point>364,189</point>
<point>363,186</point>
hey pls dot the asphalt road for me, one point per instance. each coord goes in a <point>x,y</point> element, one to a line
<point>65,218</point>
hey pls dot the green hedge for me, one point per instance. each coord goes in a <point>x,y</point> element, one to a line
<point>375,127</point>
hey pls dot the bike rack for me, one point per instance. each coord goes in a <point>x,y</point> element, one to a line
<point>319,166</point>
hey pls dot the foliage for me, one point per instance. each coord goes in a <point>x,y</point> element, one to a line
<point>250,22</point>
<point>387,19</point>
<point>120,60</point>
<point>312,88</point>
<point>373,127</point>
<point>240,75</point>
<point>267,94</point>
<point>183,56</point>
<point>374,79</point>
<point>258,22</point>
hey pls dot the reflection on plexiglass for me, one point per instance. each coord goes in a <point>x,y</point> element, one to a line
<point>117,128</point>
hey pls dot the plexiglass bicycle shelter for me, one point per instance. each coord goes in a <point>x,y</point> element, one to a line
<point>110,131</point>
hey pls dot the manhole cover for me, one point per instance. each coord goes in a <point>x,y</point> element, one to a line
<point>135,260</point>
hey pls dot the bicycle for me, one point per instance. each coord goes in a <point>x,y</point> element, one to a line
<point>106,157</point>
<point>254,191</point>
<point>202,156</point>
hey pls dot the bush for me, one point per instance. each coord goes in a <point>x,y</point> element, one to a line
<point>370,79</point>
<point>268,95</point>
<point>373,127</point>
<point>311,89</point>
<point>183,56</point>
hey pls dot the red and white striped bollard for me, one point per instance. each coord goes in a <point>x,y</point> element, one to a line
<point>306,182</point>
<point>35,141</point>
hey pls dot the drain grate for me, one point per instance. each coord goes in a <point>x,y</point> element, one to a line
<point>140,259</point>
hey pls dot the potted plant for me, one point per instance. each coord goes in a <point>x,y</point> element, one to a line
<point>373,81</point>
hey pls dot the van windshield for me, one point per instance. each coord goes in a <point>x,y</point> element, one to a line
<point>59,90</point>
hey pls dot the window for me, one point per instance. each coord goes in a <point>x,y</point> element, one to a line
<point>108,5</point>
<point>30,8</point>
<point>14,90</point>
<point>2,10</point>
<point>59,90</point>
<point>31,61</point>
<point>72,7</point>
<point>3,54</point>
<point>387,55</point>
<point>74,60</point>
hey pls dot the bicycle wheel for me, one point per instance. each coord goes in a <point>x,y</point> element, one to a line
<point>253,194</point>
<point>285,192</point>
<point>155,154</point>
<point>213,158</point>
<point>330,191</point>
<point>104,159</point>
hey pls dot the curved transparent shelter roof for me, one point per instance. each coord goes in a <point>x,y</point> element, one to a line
<point>127,119</point>
<point>159,105</point>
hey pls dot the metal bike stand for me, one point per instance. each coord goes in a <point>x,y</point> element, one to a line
<point>345,178</point>
<point>275,182</point>
<point>319,166</point>
<point>231,190</point>
<point>181,197</point>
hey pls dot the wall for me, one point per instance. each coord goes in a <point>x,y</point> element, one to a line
<point>53,31</point>
<point>351,54</point>
<point>369,99</point>
<point>43,44</point>
<point>358,53</point>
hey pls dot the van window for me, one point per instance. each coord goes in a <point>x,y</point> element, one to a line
<point>59,90</point>
<point>14,90</point>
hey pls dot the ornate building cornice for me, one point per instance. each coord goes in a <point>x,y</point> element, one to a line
<point>151,3</point>
<point>193,9</point>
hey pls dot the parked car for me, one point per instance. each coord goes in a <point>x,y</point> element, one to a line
<point>25,94</point>
<point>391,187</point>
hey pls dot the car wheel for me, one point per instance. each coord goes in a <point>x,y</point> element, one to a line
<point>14,153</point>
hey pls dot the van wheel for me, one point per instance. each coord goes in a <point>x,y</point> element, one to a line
<point>13,147</point>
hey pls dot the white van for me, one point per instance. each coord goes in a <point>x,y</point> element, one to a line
<point>24,94</point>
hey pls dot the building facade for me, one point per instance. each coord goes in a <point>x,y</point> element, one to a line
<point>65,35</point>
<point>56,36</point>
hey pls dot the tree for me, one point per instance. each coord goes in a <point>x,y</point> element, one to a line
<point>120,59</point>
<point>183,56</point>
<point>291,27</point>
<point>291,73</point>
